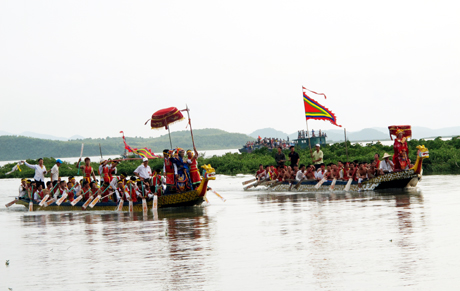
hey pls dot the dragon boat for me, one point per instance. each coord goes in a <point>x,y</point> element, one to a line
<point>394,180</point>
<point>188,198</point>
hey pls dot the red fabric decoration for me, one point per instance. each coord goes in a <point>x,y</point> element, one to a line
<point>164,117</point>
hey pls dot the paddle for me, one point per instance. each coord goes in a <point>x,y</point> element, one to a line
<point>249,181</point>
<point>64,196</point>
<point>120,205</point>
<point>98,198</point>
<point>75,201</point>
<point>130,199</point>
<point>324,179</point>
<point>79,161</point>
<point>250,186</point>
<point>144,201</point>
<point>85,205</point>
<point>47,202</point>
<point>298,184</point>
<point>331,188</point>
<point>31,204</point>
<point>347,187</point>
<point>218,195</point>
<point>320,182</point>
<point>11,203</point>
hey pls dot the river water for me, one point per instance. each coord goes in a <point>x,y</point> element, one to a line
<point>256,240</point>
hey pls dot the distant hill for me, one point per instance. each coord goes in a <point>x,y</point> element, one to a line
<point>269,132</point>
<point>20,147</point>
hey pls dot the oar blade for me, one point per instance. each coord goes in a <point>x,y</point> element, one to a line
<point>10,203</point>
<point>331,188</point>
<point>87,203</point>
<point>120,205</point>
<point>31,206</point>
<point>347,187</point>
<point>47,196</point>
<point>95,201</point>
<point>144,206</point>
<point>248,181</point>
<point>64,196</point>
<point>76,200</point>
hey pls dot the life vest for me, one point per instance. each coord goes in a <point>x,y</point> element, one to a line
<point>105,174</point>
<point>87,172</point>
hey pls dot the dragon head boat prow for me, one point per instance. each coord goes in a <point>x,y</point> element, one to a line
<point>422,154</point>
<point>208,172</point>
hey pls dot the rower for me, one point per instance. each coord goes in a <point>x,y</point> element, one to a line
<point>104,190</point>
<point>113,169</point>
<point>193,164</point>
<point>300,173</point>
<point>87,170</point>
<point>144,172</point>
<point>157,182</point>
<point>116,180</point>
<point>132,188</point>
<point>260,174</point>
<point>38,195</point>
<point>320,172</point>
<point>310,174</point>
<point>23,188</point>
<point>120,191</point>
<point>104,171</point>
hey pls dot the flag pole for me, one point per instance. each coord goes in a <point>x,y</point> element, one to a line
<point>308,134</point>
<point>190,123</point>
<point>346,143</point>
<point>170,143</point>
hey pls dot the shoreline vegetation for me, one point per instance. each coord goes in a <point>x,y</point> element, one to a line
<point>444,159</point>
<point>21,147</point>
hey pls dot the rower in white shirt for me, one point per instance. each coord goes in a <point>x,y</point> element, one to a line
<point>386,166</point>
<point>300,173</point>
<point>144,172</point>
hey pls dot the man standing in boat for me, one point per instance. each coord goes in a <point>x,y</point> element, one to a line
<point>317,157</point>
<point>183,175</point>
<point>193,164</point>
<point>88,171</point>
<point>293,157</point>
<point>40,172</point>
<point>55,171</point>
<point>170,171</point>
<point>280,158</point>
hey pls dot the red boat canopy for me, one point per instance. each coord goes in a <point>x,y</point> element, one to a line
<point>164,117</point>
<point>405,129</point>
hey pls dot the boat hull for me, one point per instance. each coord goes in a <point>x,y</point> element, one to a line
<point>189,198</point>
<point>398,180</point>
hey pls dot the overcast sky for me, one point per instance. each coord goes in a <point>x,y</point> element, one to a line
<point>94,68</point>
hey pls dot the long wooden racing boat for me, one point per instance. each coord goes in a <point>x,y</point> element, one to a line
<point>395,180</point>
<point>188,198</point>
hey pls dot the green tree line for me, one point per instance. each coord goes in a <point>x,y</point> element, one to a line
<point>20,147</point>
<point>444,159</point>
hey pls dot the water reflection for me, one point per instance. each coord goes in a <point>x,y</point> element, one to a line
<point>179,238</point>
